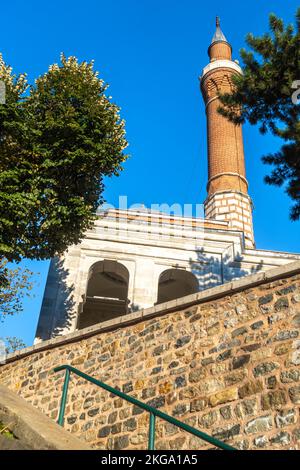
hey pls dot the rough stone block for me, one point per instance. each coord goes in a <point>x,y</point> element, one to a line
<point>261,424</point>
<point>223,397</point>
<point>250,388</point>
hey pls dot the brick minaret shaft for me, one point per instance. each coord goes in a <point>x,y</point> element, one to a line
<point>227,186</point>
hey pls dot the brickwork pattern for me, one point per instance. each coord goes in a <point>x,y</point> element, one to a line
<point>224,139</point>
<point>228,366</point>
<point>227,185</point>
<point>235,208</point>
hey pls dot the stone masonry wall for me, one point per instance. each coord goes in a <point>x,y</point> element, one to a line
<point>225,361</point>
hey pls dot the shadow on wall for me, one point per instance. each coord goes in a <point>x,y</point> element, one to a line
<point>58,308</point>
<point>66,301</point>
<point>134,308</point>
<point>212,270</point>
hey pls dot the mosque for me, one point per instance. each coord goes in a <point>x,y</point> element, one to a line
<point>134,259</point>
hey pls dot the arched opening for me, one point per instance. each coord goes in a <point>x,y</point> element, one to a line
<point>176,283</point>
<point>106,293</point>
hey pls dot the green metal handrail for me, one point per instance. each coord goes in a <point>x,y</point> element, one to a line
<point>152,411</point>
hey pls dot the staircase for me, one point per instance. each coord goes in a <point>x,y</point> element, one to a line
<point>23,427</point>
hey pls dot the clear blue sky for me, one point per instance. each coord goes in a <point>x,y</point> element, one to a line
<point>151,52</point>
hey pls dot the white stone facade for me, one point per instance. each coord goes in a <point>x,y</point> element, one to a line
<point>147,246</point>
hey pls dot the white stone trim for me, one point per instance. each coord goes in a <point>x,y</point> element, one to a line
<point>227,173</point>
<point>222,63</point>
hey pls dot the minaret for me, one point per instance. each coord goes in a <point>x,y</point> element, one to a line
<point>227,186</point>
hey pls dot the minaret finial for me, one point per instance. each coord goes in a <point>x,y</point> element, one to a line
<point>218,36</point>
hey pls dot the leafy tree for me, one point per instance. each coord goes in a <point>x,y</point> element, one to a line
<point>13,344</point>
<point>58,139</point>
<point>13,200</point>
<point>263,95</point>
<point>15,284</point>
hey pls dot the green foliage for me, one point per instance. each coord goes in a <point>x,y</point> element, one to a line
<point>4,431</point>
<point>13,344</point>
<point>58,139</point>
<point>15,284</point>
<point>263,95</point>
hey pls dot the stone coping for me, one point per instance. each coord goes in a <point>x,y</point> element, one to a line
<point>207,295</point>
<point>150,214</point>
<point>258,251</point>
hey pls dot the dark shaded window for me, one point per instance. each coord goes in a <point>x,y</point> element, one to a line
<point>176,283</point>
<point>106,294</point>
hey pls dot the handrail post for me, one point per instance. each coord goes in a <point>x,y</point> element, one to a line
<point>64,398</point>
<point>151,440</point>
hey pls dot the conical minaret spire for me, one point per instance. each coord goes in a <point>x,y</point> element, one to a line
<point>227,185</point>
<point>219,47</point>
<point>218,36</point>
